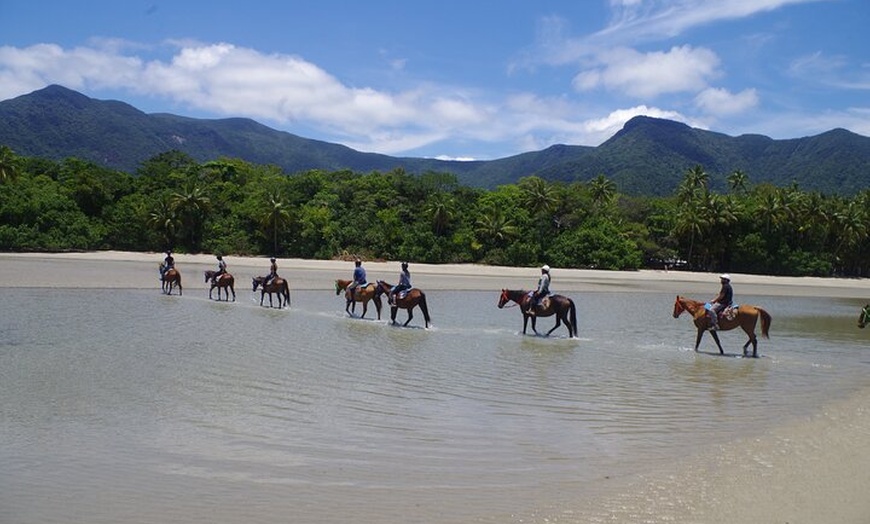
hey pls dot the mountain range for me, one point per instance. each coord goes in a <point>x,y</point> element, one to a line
<point>648,156</point>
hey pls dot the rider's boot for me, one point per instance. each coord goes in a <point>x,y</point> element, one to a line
<point>714,321</point>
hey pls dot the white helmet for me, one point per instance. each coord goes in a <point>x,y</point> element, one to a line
<point>725,276</point>
<point>545,268</point>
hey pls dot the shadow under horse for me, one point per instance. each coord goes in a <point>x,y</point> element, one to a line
<point>225,281</point>
<point>561,306</point>
<point>408,299</point>
<point>362,294</point>
<point>747,317</point>
<point>170,279</point>
<point>278,285</point>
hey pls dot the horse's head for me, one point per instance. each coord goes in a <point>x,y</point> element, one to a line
<point>338,287</point>
<point>678,307</point>
<point>256,281</point>
<point>864,319</point>
<point>503,298</point>
<point>207,275</point>
<point>381,287</point>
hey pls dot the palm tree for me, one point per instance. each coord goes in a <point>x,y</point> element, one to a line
<point>737,181</point>
<point>10,164</point>
<point>495,227</point>
<point>163,220</point>
<point>191,205</point>
<point>441,208</point>
<point>694,183</point>
<point>538,195</point>
<point>275,217</point>
<point>602,190</point>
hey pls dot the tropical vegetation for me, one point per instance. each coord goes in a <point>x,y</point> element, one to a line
<point>230,206</point>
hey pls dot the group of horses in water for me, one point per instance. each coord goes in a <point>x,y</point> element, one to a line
<point>563,308</point>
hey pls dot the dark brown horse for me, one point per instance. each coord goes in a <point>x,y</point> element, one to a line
<point>360,294</point>
<point>746,318</point>
<point>561,306</point>
<point>864,318</point>
<point>408,299</point>
<point>225,282</point>
<point>278,285</point>
<point>171,278</point>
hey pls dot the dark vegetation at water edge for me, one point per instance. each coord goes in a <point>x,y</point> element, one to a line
<point>231,206</point>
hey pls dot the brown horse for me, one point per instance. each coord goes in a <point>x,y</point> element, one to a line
<point>278,285</point>
<point>864,318</point>
<point>225,282</point>
<point>562,307</point>
<point>408,299</point>
<point>171,278</point>
<point>360,294</point>
<point>747,317</point>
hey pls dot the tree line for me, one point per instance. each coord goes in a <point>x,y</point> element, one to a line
<point>230,206</point>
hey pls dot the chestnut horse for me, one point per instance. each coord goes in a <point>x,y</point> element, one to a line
<point>408,299</point>
<point>562,307</point>
<point>864,318</point>
<point>278,285</point>
<point>361,294</point>
<point>225,282</point>
<point>171,278</point>
<point>747,317</point>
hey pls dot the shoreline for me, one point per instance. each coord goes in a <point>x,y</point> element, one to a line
<point>812,469</point>
<point>124,269</point>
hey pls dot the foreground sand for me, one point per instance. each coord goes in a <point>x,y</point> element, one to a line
<point>811,471</point>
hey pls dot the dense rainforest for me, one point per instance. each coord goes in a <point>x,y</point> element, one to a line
<point>230,206</point>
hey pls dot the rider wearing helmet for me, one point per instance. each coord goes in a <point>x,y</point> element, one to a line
<point>724,299</point>
<point>404,283</point>
<point>542,291</point>
<point>222,268</point>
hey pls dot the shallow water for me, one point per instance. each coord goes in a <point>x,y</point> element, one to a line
<point>130,406</point>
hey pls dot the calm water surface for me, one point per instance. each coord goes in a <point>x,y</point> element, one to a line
<point>130,406</point>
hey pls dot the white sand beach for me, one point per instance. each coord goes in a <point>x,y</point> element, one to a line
<point>815,470</point>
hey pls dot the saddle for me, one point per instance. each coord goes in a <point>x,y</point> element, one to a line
<point>729,313</point>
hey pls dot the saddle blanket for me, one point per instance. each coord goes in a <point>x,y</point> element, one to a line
<point>729,312</point>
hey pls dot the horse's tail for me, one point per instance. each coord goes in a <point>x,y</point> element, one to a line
<point>573,313</point>
<point>765,322</point>
<point>424,308</point>
<point>286,292</point>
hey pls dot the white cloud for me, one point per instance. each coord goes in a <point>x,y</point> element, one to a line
<point>721,102</point>
<point>680,69</point>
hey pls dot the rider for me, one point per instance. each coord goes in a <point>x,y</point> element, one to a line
<point>724,299</point>
<point>542,291</point>
<point>404,283</point>
<point>359,277</point>
<point>168,263</point>
<point>273,272</point>
<point>222,268</point>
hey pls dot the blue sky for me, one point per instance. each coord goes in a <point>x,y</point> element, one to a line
<point>464,79</point>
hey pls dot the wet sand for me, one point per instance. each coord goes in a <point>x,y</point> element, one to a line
<point>809,471</point>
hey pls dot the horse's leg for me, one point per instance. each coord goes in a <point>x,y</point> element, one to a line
<point>365,308</point>
<point>410,315</point>
<point>233,289</point>
<point>752,340</point>
<point>525,322</point>
<point>698,338</point>
<point>534,324</point>
<point>716,338</point>
<point>558,323</point>
<point>347,308</point>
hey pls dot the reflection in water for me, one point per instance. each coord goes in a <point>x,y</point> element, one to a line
<point>132,406</point>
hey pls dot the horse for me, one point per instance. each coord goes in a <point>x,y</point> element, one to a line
<point>864,317</point>
<point>225,282</point>
<point>561,306</point>
<point>170,279</point>
<point>408,299</point>
<point>361,294</point>
<point>278,285</point>
<point>746,318</point>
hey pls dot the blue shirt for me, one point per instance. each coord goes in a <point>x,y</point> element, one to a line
<point>359,275</point>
